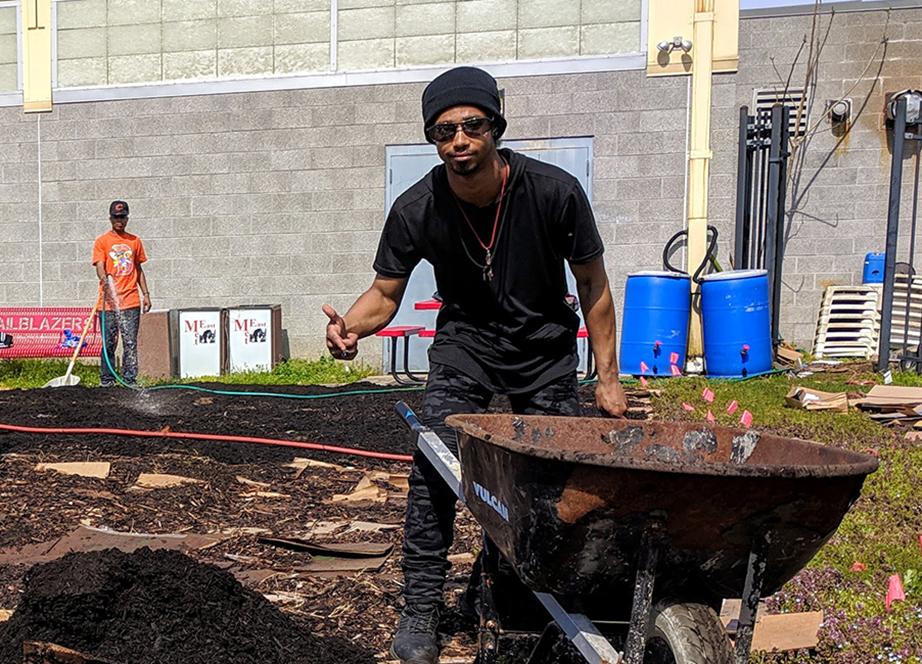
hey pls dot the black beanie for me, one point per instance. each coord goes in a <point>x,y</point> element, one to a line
<point>463,86</point>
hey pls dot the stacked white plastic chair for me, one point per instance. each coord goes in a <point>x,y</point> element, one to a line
<point>848,324</point>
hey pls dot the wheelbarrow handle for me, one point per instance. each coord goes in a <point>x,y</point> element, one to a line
<point>434,449</point>
<point>409,417</point>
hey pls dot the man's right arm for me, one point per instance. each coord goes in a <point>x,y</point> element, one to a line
<point>372,311</point>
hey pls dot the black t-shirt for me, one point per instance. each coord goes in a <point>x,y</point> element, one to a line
<point>513,333</point>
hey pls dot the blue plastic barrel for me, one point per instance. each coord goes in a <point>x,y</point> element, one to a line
<point>873,267</point>
<point>654,323</point>
<point>737,329</point>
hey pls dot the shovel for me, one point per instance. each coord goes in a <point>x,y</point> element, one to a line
<point>69,378</point>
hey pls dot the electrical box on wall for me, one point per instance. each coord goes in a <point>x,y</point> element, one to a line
<point>670,30</point>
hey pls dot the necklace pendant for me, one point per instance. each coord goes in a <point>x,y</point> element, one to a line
<point>488,267</point>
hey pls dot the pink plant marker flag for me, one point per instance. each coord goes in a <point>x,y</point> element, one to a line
<point>920,542</point>
<point>708,395</point>
<point>688,407</point>
<point>643,381</point>
<point>673,358</point>
<point>746,419</point>
<point>732,408</point>
<point>710,417</point>
<point>644,368</point>
<point>857,567</point>
<point>675,370</point>
<point>894,591</point>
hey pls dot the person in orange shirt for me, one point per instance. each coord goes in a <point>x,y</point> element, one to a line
<point>117,256</point>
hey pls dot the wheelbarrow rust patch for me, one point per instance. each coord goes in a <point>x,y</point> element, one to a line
<point>567,500</point>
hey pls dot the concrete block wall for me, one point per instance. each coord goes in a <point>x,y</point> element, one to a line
<point>279,196</point>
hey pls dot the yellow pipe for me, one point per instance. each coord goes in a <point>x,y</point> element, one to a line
<point>36,56</point>
<point>699,155</point>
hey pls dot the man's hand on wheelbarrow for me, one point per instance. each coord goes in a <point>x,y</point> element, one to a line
<point>610,397</point>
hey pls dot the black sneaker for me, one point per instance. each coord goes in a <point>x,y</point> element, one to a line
<point>416,641</point>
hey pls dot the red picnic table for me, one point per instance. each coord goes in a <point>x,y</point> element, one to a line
<point>427,305</point>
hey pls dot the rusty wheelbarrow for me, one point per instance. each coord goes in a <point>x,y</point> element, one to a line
<point>655,522</point>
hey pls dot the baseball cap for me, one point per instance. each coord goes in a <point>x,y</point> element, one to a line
<point>118,209</point>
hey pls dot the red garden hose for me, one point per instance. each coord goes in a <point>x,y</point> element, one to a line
<point>212,436</point>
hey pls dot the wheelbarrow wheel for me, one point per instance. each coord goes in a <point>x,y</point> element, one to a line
<point>686,633</point>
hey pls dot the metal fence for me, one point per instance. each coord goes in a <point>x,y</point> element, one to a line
<point>761,189</point>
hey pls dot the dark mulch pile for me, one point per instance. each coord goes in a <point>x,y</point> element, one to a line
<point>150,607</point>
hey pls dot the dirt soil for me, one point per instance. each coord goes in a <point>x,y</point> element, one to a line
<point>342,618</point>
<point>150,607</point>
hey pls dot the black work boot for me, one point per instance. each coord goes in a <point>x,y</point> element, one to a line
<point>416,641</point>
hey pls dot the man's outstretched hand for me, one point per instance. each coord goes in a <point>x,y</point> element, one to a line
<point>342,344</point>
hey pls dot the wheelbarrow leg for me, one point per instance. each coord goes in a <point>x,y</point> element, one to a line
<point>752,593</point>
<point>643,598</point>
<point>488,636</point>
<point>541,652</point>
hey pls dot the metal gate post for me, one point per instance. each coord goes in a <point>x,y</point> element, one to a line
<point>743,184</point>
<point>893,229</point>
<point>774,213</point>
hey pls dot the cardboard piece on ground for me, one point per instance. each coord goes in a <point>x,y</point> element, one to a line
<point>249,482</point>
<point>5,615</point>
<point>810,399</point>
<point>891,397</point>
<point>254,576</point>
<point>35,652</point>
<point>789,356</point>
<point>300,464</point>
<point>368,489</point>
<point>785,631</point>
<point>97,469</point>
<point>340,549</point>
<point>335,557</point>
<point>370,527</point>
<point>86,539</point>
<point>160,481</point>
<point>323,528</point>
<point>263,494</point>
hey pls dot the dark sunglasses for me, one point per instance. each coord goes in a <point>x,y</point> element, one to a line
<point>472,127</point>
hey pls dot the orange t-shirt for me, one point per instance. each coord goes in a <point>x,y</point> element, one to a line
<point>121,254</point>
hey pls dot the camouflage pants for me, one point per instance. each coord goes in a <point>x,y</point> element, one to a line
<point>429,530</point>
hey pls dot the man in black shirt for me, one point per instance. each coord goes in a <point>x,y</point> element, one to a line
<point>498,228</point>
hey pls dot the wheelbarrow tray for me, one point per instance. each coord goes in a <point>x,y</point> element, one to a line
<point>567,501</point>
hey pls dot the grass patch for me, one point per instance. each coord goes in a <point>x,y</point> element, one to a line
<point>323,371</point>
<point>881,531</point>
<point>25,374</point>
